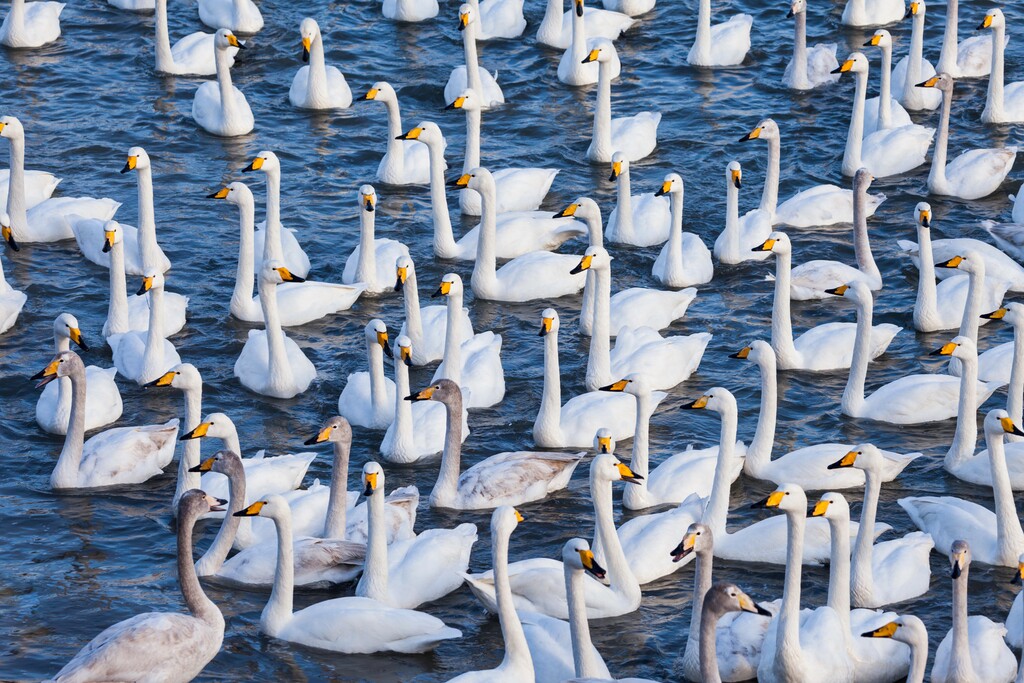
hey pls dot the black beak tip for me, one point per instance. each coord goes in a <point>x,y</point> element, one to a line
<point>368,491</point>
<point>106,247</point>
<point>305,55</point>
<point>13,243</point>
<point>126,169</point>
<point>579,9</point>
<point>197,468</point>
<point>82,345</point>
<point>311,441</point>
<point>837,70</point>
<point>762,611</point>
<point>660,192</point>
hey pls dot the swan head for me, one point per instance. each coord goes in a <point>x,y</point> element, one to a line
<point>777,243</point>
<point>864,457</point>
<point>367,198</point>
<point>601,51</point>
<point>993,19</point>
<point>734,175</point>
<point>213,426</point>
<point>451,285</point>
<point>672,184</point>
<point>477,179</point>
<point>959,558</point>
<point>112,234</point>
<point>606,467</point>
<point>373,478</point>
<point>862,180</point>
<point>832,506</point>
<point>548,322</point>
<point>917,8</point>
<point>66,326</point>
<point>224,461</point>
<point>604,442</point>
<point>796,7</point>
<point>6,232</point>
<point>376,333</point>
<point>442,391</point>
<point>235,193</point>
<point>856,63</point>
<point>596,258</point>
<point>942,81</point>
<point>905,628</point>
<point>265,161</point>
<point>759,351</point>
<point>585,208</point>
<point>923,214</point>
<point>1012,313</point>
<point>881,38</point>
<point>504,520</point>
<point>273,507</point>
<point>728,597</point>
<point>634,384</point>
<point>719,399</point>
<point>788,498</point>
<point>64,364</point>
<point>766,129</point>
<point>309,30</point>
<point>334,429</point>
<point>404,269</point>
<point>137,159</point>
<point>857,292</point>
<point>275,273</point>
<point>153,279</point>
<point>960,347</point>
<point>998,422</point>
<point>577,555</point>
<point>182,376</point>
<point>381,91</point>
<point>620,165</point>
<point>467,100</point>
<point>196,503</point>
<point>697,539</point>
<point>969,262</point>
<point>10,127</point>
<point>427,132</point>
<point>466,16</point>
<point>224,39</point>
<point>403,350</point>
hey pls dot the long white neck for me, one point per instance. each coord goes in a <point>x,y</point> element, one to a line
<point>625,229</point>
<point>316,77</point>
<point>411,304</point>
<point>60,344</point>
<point>153,356</point>
<point>578,47</point>
<point>853,394</point>
<point>639,460</point>
<point>472,61</point>
<point>272,250</point>
<point>1015,392</point>
<point>374,582</point>
<point>549,417</point>
<point>378,382</point>
<point>65,472</point>
<point>596,234</point>
<point>190,452</point>
<point>927,301</point>
<point>839,569</point>
<point>396,147</point>
<point>241,297</point>
<point>1009,535</point>
<point>787,644</point>
<point>759,453</point>
<point>701,586</point>
<point>453,338</point>
<point>863,582</point>
<point>16,16</point>
<point>782,323</point>
<point>966,435</point>
<point>702,43</point>
<point>447,485</point>
<point>994,99</point>
<point>484,275</point>
<point>552,21</point>
<point>950,44</point>
<point>961,667</point>
<point>717,509</point>
<point>17,207</point>
<point>731,233</point>
<point>278,611</point>
<point>884,96</point>
<point>472,159</point>
<point>366,267</point>
<point>969,323</point>
<point>164,58</point>
<point>337,504</point>
<point>586,663</point>
<point>599,363</point>
<point>620,576</point>
<point>404,438</point>
<point>798,75</point>
<point>198,604</point>
<point>149,250</point>
<point>601,136</point>
<point>117,309</point>
<point>770,194</point>
<point>444,237</point>
<point>938,172</point>
<point>228,104</point>
<point>861,242</point>
<point>517,651</point>
<point>213,559</point>
<point>278,367</point>
<point>855,135</point>
<point>674,256</point>
<point>914,60</point>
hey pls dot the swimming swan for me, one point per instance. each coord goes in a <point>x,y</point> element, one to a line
<point>427,326</point>
<point>471,74</point>
<point>642,220</point>
<point>808,69</point>
<point>240,16</point>
<point>368,398</point>
<point>278,244</point>
<point>317,85</point>
<point>143,356</point>
<point>192,55</point>
<point>372,261</point>
<point>555,28</point>
<point>914,68</point>
<point>221,109</point>
<point>736,241</point>
<point>971,57</point>
<point>724,44</point>
<point>684,260</point>
<point>721,599</point>
<point>404,162</point>
<point>573,67</point>
<point>1003,103</point>
<point>31,24</point>
<point>635,136</point>
<point>11,300</point>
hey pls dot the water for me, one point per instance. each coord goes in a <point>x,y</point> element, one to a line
<point>75,564</point>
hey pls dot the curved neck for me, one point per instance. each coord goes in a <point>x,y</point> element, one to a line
<point>447,485</point>
<point>927,294</point>
<point>620,576</point>
<point>966,435</point>
<point>787,642</point>
<point>396,148</point>
<point>117,309</point>
<point>485,269</point>
<point>950,44</point>
<point>366,267</point>
<point>213,558</point>
<point>444,238</point>
<point>198,604</point>
<point>472,62</point>
<point>938,172</point>
<point>374,582</point>
<point>770,194</point>
<point>453,338</point>
<point>190,452</point>
<point>241,297</point>
<point>717,509</point>
<point>782,323</point>
<point>602,131</point>
<point>583,654</point>
<point>855,134</point>
<point>316,77</point>
<point>994,98</point>
<point>65,472</point>
<point>517,651</point>
<point>759,453</point>
<point>839,569</point>
<point>1015,392</point>
<point>278,611</point>
<point>702,42</point>
<point>861,243</point>
<point>1009,535</point>
<point>17,207</point>
<point>624,207</point>
<point>272,250</point>
<point>164,58</point>
<point>884,96</point>
<point>853,394</point>
<point>278,367</point>
<point>863,550</point>
<point>472,159</point>
<point>799,63</point>
<point>337,505</point>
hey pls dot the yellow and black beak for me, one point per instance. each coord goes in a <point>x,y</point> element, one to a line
<point>405,353</point>
<point>591,565</point>
<point>288,276</point>
<point>930,83</point>
<point>911,10</point>
<point>1018,576</point>
<point>382,340</point>
<point>443,289</point>
<point>8,234</point>
<point>628,474</point>
<point>413,134</point>
<point>665,188</point>
<point>699,404</point>
<point>986,22</point>
<point>997,314</point>
<point>108,241</point>
<point>371,94</point>
<point>846,461</point>
<point>737,179</point>
<point>422,395</point>
<point>616,386</point>
<point>400,275</point>
<point>591,56</point>
<point>926,219</point>
<point>579,7</point>
<point>47,374</point>
<point>456,103</point>
<point>773,500</point>
<point>873,41</point>
<point>463,21</point>
<point>461,182</point>
<point>306,44</point>
<point>368,202</point>
<point>838,291</point>
<point>684,548</point>
<point>147,284</point>
<point>545,326</point>
<point>1009,427</point>
<point>957,569</point>
<point>567,211</point>
<point>251,511</point>
<point>256,165</point>
<point>370,484</point>
<point>198,433</point>
<point>887,631</point>
<point>233,41</point>
<point>130,165</point>
<point>767,245</point>
<point>951,263</point>
<point>604,444</point>
<point>945,350</point>
<point>222,193</point>
<point>752,135</point>
<point>742,354</point>
<point>583,265</point>
<point>820,508</point>
<point>616,170</point>
<point>844,67</point>
<point>204,466</point>
<point>748,605</point>
<point>163,380</point>
<point>76,336</point>
<point>321,436</point>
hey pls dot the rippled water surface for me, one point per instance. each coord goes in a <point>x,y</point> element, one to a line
<point>73,565</point>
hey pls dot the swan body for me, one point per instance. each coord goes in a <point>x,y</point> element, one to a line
<point>220,108</point>
<point>555,28</point>
<point>193,55</point>
<point>501,19</point>
<point>914,68</point>
<point>998,266</point>
<point>144,356</point>
<point>635,136</point>
<point>685,260</point>
<point>31,24</point>
<point>373,260</point>
<point>969,58</point>
<point>724,44</point>
<point>642,220</point>
<point>808,68</point>
<point>736,242</point>
<point>873,12</point>
<point>409,10</point>
<point>11,300</point>
<point>1003,103</point>
<point>405,162</point>
<point>573,67</point>
<point>39,186</point>
<point>317,85</point>
<point>368,398</point>
<point>425,326</point>
<point>471,74</point>
<point>240,16</point>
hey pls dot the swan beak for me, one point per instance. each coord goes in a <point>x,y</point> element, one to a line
<point>233,41</point>
<point>845,461</point>
<point>400,275</point>
<point>843,68</point>
<point>583,265</point>
<point>926,219</point>
<point>986,22</point>
<point>838,291</point>
<point>368,202</point>
<point>411,135</point>
<point>737,179</point>
<point>222,193</point>
<point>256,165</point>
<point>946,350</point>
<point>997,314</point>
<point>567,211</point>
<point>591,57</point>
<point>371,483</point>
<point>957,570</point>
<point>617,386</point>
<point>47,374</point>
<point>251,511</point>
<point>789,14</point>
<point>423,395</point>
<point>820,508</point>
<point>604,444</point>
<point>873,41</point>
<point>912,10</point>
<point>579,8</point>
<point>951,263</point>
<point>752,135</point>
<point>699,404</point>
<point>288,276</point>
<point>1018,577</point>
<point>773,500</point>
<point>462,181</point>
<point>519,516</point>
<point>76,336</point>
<point>442,289</point>
<point>767,245</point>
<point>405,353</point>
<point>198,433</point>
<point>463,21</point>
<point>747,604</point>
<point>886,631</point>
<point>616,171</point>
<point>163,380</point>
<point>382,339</point>
<point>321,436</point>
<point>930,83</point>
<point>1009,427</point>
<point>591,565</point>
<point>8,235</point>
<point>742,354</point>
<point>204,466</point>
<point>684,548</point>
<point>457,103</point>
<point>306,42</point>
<point>147,284</point>
<point>371,94</point>
<point>628,474</point>
<point>130,164</point>
<point>217,504</point>
<point>665,188</point>
<point>545,326</point>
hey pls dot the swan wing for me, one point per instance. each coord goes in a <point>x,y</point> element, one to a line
<point>636,135</point>
<point>654,308</point>
<point>513,478</point>
<point>584,414</point>
<point>979,172</point>
<point>127,455</point>
<point>896,150</point>
<point>539,275</point>
<point>550,645</point>
<point>947,519</point>
<point>430,566</point>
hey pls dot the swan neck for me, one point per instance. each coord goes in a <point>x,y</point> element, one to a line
<point>472,61</point>
<point>702,43</point>
<point>853,394</point>
<point>927,292</point>
<point>403,424</point>
<point>517,651</point>
<point>885,86</point>
<point>17,207</point>
<point>602,131</point>
<point>966,435</point>
<point>624,207</point>
<point>411,303</point>
<point>960,657</point>
<point>1009,535</point>
<point>374,582</point>
<point>994,98</point>
<point>938,172</point>
<point>972,311</point>
<point>117,309</point>
<point>599,358</point>
<point>485,269</point>
<point>378,382</point>
<point>198,604</point>
<point>914,60</point>
<point>759,453</point>
<point>272,250</point>
<point>472,159</point>
<point>1015,391</point>
<point>770,194</point>
<point>153,355</point>
<point>839,569</point>
<point>164,58</point>
<point>782,322</point>
<point>948,54</point>
<point>447,484</point>
<point>241,297</point>
<point>709,672</point>
<point>213,559</point>
<point>190,452</point>
<point>620,576</point>
<point>396,147</point>
<point>861,241</point>
<point>452,358</point>
<point>366,267</point>
<point>788,640</point>
<point>579,628</point>
<point>701,586</point>
<point>855,135</point>
<point>316,80</point>
<point>550,413</point>
<point>228,104</point>
<point>864,545</point>
<point>337,505</point>
<point>278,611</point>
<point>279,369</point>
<point>731,236</point>
<point>717,510</point>
<point>444,238</point>
<point>65,472</point>
<point>799,73</point>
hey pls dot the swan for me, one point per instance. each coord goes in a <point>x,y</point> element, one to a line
<point>1009,236</point>
<point>587,209</point>
<point>720,599</point>
<point>39,186</point>
<point>510,478</point>
<point>969,58</point>
<point>685,260</point>
<point>350,625</point>
<point>368,398</point>
<point>192,55</point>
<point>1013,313</point>
<point>538,585</point>
<point>642,220</point>
<point>221,109</point>
<point>11,300</point>
<point>998,266</point>
<point>418,429</point>
<point>631,8</point>
<point>115,457</point>
<point>103,402</point>
<point>410,572</point>
<point>555,28</point>
<point>573,68</point>
<point>681,474</point>
<point>518,189</point>
<point>299,302</point>
<point>516,664</point>
<point>278,244</point>
<point>820,205</point>
<point>1003,103</point>
<point>426,327</point>
<point>873,660</point>
<point>884,111</point>
<point>974,648</point>
<point>809,466</point>
<point>997,536</point>
<point>317,85</point>
<point>534,275</point>
<point>373,259</point>
<point>914,68</point>
<point>829,346</point>
<point>724,44</point>
<point>886,151</point>
<point>635,136</point>
<point>471,74</point>
<point>976,173</point>
<point>271,363</point>
<point>186,378</point>
<point>126,315</point>
<point>142,356</point>
<point>501,19</point>
<point>31,24</point>
<point>141,251</point>
<point>800,647</point>
<point>736,241</point>
<point>49,220</point>
<point>474,363</point>
<point>409,10</point>
<point>1014,630</point>
<point>574,424</point>
<point>808,69</point>
<point>159,645</point>
<point>240,16</point>
<point>873,12</point>
<point>994,364</point>
<point>911,631</point>
<point>404,162</point>
<point>902,564</point>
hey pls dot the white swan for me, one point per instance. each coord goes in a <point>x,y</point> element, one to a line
<point>499,19</point>
<point>186,378</point>
<point>914,68</point>
<point>996,536</point>
<point>1004,103</point>
<point>819,205</point>
<point>721,599</point>
<point>278,244</point>
<point>724,44</point>
<point>240,16</point>
<point>635,136</point>
<point>373,260</point>
<point>115,457</point>
<point>886,151</point>
<point>973,649</point>
<point>976,173</point>
<point>510,478</point>
<point>368,399</point>
<point>534,275</point>
<point>418,429</point>
<point>39,186</point>
<point>829,346</point>
<point>573,68</point>
<point>900,565</point>
<point>317,85</point>
<point>49,220</point>
<point>270,362</point>
<point>11,300</point>
<point>518,189</point>
<point>145,355</point>
<point>910,631</point>
<point>31,24</point>
<point>404,162</point>
<point>574,424</point>
<point>409,10</point>
<point>998,265</point>
<point>736,241</point>
<point>1013,313</point>
<point>350,625</point>
<point>813,68</point>
<point>425,326</point>
<point>174,646</point>
<point>884,111</point>
<point>555,28</point>
<point>809,466</point>
<point>220,108</point>
<point>471,74</point>
<point>971,57</point>
<point>642,220</point>
<point>994,364</point>
<point>873,12</point>
<point>474,363</point>
<point>192,55</point>
<point>1015,619</point>
<point>685,260</point>
<point>103,403</point>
